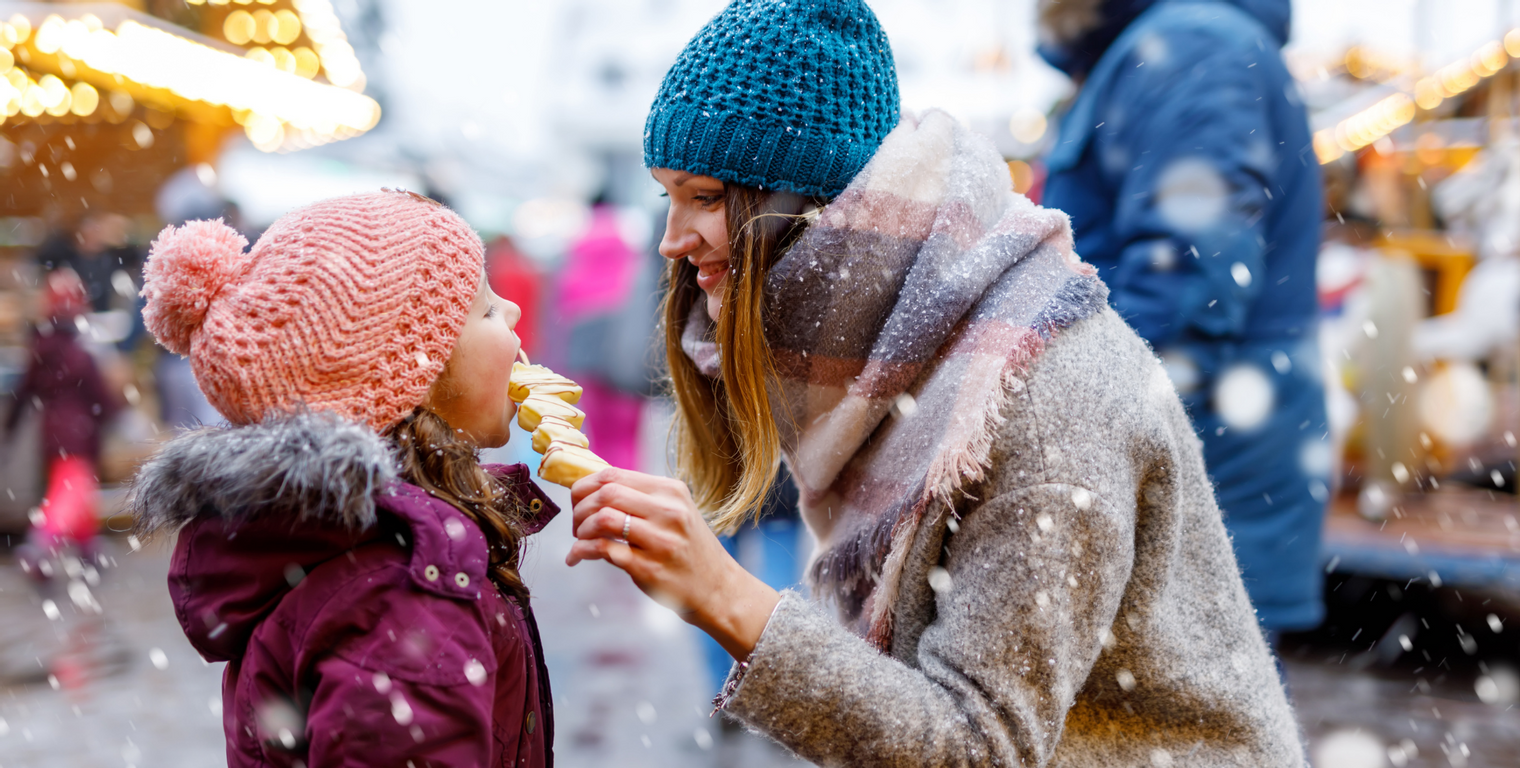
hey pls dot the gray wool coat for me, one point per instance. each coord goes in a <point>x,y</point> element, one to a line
<point>1086,611</point>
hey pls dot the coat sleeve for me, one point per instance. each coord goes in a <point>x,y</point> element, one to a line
<point>1031,590</point>
<point>1187,144</point>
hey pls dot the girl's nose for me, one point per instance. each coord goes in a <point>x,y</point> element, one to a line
<point>513,313</point>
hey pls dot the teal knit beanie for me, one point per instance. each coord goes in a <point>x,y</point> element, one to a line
<point>792,95</point>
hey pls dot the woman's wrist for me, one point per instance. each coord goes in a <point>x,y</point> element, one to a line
<point>739,612</point>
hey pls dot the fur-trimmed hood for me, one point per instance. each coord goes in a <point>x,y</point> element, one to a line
<point>256,508</point>
<point>308,465</point>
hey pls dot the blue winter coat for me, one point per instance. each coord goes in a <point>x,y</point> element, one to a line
<point>1186,165</point>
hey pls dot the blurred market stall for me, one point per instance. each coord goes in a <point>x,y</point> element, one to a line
<point>1420,287</point>
<point>112,120</point>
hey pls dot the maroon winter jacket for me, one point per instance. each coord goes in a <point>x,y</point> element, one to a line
<point>353,610</point>
<point>64,379</point>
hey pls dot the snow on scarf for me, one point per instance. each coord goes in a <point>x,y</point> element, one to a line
<point>899,322</point>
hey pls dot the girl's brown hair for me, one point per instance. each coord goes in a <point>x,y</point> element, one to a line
<point>435,457</point>
<point>725,439</point>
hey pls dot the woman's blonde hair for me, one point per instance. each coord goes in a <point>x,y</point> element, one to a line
<point>724,435</point>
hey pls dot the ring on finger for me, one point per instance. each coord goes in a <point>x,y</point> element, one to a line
<point>627,526</point>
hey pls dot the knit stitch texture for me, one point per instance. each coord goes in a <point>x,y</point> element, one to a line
<point>792,95</point>
<point>1080,608</point>
<point>351,305</point>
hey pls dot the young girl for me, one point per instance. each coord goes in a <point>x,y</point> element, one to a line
<point>76,405</point>
<point>1018,547</point>
<point>339,546</point>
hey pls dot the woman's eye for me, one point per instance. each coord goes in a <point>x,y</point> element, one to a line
<point>707,199</point>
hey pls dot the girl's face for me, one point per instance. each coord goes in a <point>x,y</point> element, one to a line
<point>697,230</point>
<point>472,393</point>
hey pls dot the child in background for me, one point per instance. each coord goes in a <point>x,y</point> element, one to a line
<point>339,545</point>
<point>64,381</point>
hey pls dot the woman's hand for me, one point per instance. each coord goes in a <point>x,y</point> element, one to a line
<point>670,553</point>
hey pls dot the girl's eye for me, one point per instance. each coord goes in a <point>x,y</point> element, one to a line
<point>491,311</point>
<point>707,199</point>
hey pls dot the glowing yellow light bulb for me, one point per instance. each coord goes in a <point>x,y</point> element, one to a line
<point>10,99</point>
<point>1428,94</point>
<point>1493,57</point>
<point>265,25</point>
<point>6,61</point>
<point>284,60</point>
<point>86,99</point>
<point>288,26</point>
<point>307,63</point>
<point>238,27</point>
<point>31,101</point>
<point>49,35</point>
<point>121,102</point>
<point>21,27</point>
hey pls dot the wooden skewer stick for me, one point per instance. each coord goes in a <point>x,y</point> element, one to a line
<point>524,355</point>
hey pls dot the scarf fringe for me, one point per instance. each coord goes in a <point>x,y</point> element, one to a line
<point>951,473</point>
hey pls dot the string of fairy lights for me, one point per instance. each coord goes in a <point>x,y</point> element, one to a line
<point>78,67</point>
<point>1428,93</point>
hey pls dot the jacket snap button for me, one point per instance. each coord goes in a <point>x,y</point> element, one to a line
<point>535,505</point>
<point>529,722</point>
<point>461,579</point>
<point>430,573</point>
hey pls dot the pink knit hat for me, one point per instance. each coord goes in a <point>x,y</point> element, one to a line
<point>350,305</point>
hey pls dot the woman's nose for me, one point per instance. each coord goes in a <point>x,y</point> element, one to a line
<point>679,239</point>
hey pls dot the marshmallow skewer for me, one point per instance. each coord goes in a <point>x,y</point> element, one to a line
<point>536,407</point>
<point>537,380</point>
<point>553,429</point>
<point>565,463</point>
<point>546,408</point>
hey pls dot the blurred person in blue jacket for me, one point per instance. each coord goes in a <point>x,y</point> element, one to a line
<point>1186,164</point>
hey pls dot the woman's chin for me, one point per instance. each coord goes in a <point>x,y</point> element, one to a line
<point>715,304</point>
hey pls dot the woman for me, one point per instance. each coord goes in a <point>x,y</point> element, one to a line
<point>1015,531</point>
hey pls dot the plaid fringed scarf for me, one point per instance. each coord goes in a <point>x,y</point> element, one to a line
<point>899,321</point>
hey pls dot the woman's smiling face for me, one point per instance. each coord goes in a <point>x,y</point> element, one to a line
<point>697,230</point>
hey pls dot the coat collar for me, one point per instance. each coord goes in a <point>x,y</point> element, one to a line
<point>449,556</point>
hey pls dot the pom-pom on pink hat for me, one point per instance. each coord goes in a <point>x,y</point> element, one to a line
<point>350,305</point>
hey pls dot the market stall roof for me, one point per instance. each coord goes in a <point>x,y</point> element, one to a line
<point>1403,96</point>
<point>105,47</point>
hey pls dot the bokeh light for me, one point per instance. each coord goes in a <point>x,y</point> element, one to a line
<point>1191,195</point>
<point>1244,397</point>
